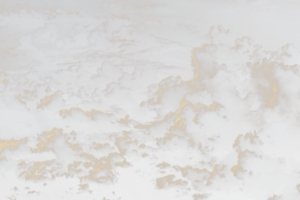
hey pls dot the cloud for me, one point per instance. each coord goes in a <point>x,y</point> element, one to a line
<point>76,114</point>
<point>168,181</point>
<point>25,43</point>
<point>14,148</point>
<point>199,196</point>
<point>150,6</point>
<point>49,31</point>
<point>172,142</point>
<point>127,122</point>
<point>84,188</point>
<point>218,33</point>
<point>78,33</point>
<point>8,100</point>
<point>52,102</point>
<point>205,64</point>
<point>167,96</point>
<point>258,4</point>
<point>22,17</point>
<point>108,110</point>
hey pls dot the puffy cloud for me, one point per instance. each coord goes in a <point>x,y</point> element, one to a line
<point>14,148</point>
<point>103,148</point>
<point>76,114</point>
<point>127,146</point>
<point>218,33</point>
<point>142,107</point>
<point>163,165</point>
<point>55,141</point>
<point>254,168</point>
<point>172,142</point>
<point>71,161</point>
<point>52,102</point>
<point>168,182</point>
<point>114,22</point>
<point>219,179</point>
<point>298,188</point>
<point>273,83</point>
<point>37,172</point>
<point>204,64</point>
<point>4,163</point>
<point>106,74</point>
<point>8,100</point>
<point>26,43</point>
<point>84,188</point>
<point>247,141</point>
<point>58,13</point>
<point>22,17</point>
<point>49,31</point>
<point>34,192</point>
<point>127,122</point>
<point>155,128</point>
<point>167,96</point>
<point>114,6</point>
<point>194,29</point>
<point>150,6</point>
<point>142,76</point>
<point>276,197</point>
<point>257,4</point>
<point>39,91</point>
<point>203,196</point>
<point>16,189</point>
<point>287,54</point>
<point>243,45</point>
<point>78,33</point>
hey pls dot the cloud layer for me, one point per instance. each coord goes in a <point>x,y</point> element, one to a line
<point>141,100</point>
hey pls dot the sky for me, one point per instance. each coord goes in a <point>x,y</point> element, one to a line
<point>164,99</point>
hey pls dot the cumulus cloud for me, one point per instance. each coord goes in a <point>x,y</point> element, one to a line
<point>22,17</point>
<point>199,196</point>
<point>7,98</point>
<point>150,6</point>
<point>172,142</point>
<point>26,43</point>
<point>258,4</point>
<point>142,107</point>
<point>76,114</point>
<point>167,96</point>
<point>168,181</point>
<point>52,102</point>
<point>218,33</point>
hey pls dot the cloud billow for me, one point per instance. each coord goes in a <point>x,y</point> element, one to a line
<point>112,115</point>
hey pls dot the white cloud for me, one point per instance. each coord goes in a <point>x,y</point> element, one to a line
<point>276,197</point>
<point>14,148</point>
<point>76,114</point>
<point>223,129</point>
<point>168,181</point>
<point>52,102</point>
<point>150,6</point>
<point>218,33</point>
<point>203,196</point>
<point>172,142</point>
<point>84,188</point>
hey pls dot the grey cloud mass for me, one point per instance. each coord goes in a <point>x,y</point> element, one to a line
<point>130,100</point>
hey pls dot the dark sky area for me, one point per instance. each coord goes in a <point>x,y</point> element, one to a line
<point>149,99</point>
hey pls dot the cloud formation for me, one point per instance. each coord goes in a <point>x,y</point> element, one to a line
<point>119,105</point>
